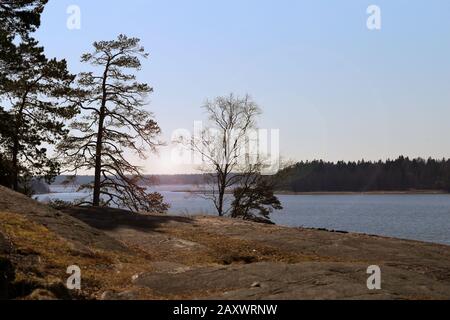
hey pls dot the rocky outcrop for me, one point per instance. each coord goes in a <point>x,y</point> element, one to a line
<point>220,258</point>
<point>128,256</point>
<point>38,244</point>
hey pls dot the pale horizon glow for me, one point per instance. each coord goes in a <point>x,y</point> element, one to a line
<point>334,89</point>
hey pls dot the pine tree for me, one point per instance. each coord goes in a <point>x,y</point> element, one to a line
<point>114,122</point>
<point>36,113</point>
<point>31,88</point>
<point>17,19</point>
<point>21,17</point>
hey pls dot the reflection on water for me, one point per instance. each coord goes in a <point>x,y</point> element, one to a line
<point>416,217</point>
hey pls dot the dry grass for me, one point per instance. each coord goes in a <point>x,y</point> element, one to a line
<point>41,259</point>
<point>228,250</point>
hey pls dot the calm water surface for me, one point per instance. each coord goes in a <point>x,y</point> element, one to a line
<point>416,217</point>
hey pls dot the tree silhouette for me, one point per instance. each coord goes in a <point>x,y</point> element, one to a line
<point>36,114</point>
<point>17,19</point>
<point>254,197</point>
<point>402,174</point>
<point>31,88</point>
<point>113,121</point>
<point>222,145</point>
<point>20,17</point>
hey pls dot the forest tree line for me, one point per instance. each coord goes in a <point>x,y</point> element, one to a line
<point>401,174</point>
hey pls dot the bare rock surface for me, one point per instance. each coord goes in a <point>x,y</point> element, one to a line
<point>220,258</point>
<point>129,256</point>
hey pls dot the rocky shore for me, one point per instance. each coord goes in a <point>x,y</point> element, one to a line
<point>127,256</point>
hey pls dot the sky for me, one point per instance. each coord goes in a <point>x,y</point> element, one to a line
<point>335,89</point>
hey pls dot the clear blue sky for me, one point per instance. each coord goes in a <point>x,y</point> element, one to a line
<point>336,90</point>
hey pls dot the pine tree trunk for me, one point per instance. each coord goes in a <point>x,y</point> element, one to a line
<point>99,145</point>
<point>16,145</point>
<point>15,165</point>
<point>98,160</point>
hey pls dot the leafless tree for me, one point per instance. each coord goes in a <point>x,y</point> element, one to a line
<point>222,146</point>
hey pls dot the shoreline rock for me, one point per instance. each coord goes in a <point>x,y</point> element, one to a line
<point>126,256</point>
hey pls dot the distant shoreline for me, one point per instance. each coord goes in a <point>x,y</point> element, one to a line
<point>324,193</point>
<point>412,192</point>
<point>342,193</point>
